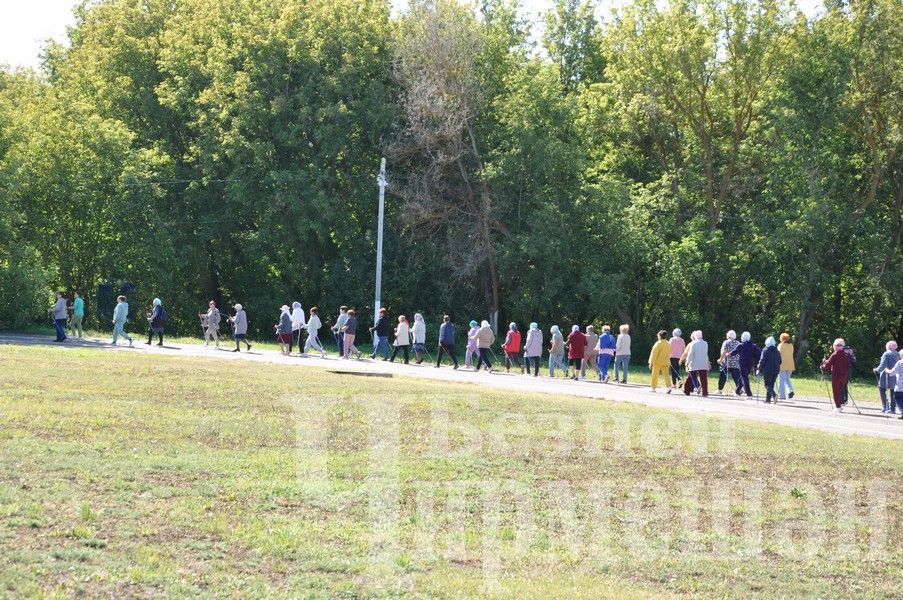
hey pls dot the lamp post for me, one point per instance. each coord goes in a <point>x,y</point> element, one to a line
<point>381,182</point>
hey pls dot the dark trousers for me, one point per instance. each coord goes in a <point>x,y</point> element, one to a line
<point>534,361</point>
<point>735,376</point>
<point>405,350</point>
<point>241,337</point>
<point>512,358</point>
<point>483,358</point>
<point>446,349</point>
<point>838,386</point>
<point>769,379</point>
<point>675,370</point>
<point>60,326</point>
<point>150,336</point>
<point>339,341</point>
<point>694,378</point>
<point>744,382</point>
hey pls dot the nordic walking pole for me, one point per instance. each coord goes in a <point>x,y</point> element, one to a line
<point>757,387</point>
<point>850,396</point>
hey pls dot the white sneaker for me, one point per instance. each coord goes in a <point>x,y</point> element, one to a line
<point>837,411</point>
<point>322,355</point>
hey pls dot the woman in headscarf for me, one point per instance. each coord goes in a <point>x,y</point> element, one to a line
<point>402,339</point>
<point>418,333</point>
<point>660,359</point>
<point>297,325</point>
<point>240,327</point>
<point>471,349</point>
<point>155,320</point>
<point>728,363</point>
<point>591,354</point>
<point>769,366</point>
<point>485,339</point>
<point>511,347</point>
<point>533,348</point>
<point>678,345</point>
<point>622,353</point>
<point>556,351</point>
<point>839,365</point>
<point>748,353</point>
<point>284,334</point>
<point>788,366</point>
<point>576,350</point>
<point>886,381</point>
<point>606,346</point>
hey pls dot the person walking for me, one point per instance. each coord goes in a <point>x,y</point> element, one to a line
<point>678,345</point>
<point>402,339</point>
<point>660,360</point>
<point>533,348</point>
<point>729,364</point>
<point>284,333</point>
<point>696,358</point>
<point>622,353</point>
<point>788,366</point>
<point>839,366</point>
<point>59,313</point>
<point>897,373</point>
<point>446,341</point>
<point>886,381</point>
<point>381,331</point>
<point>556,351</point>
<point>156,320</point>
<point>591,354</point>
<point>313,334</point>
<point>576,344</point>
<point>511,348</point>
<point>418,334</point>
<point>485,340</point>
<point>769,367</point>
<point>211,320</point>
<point>471,350</point>
<point>297,326</point>
<point>349,330</point>
<point>747,354</point>
<point>606,349</point>
<point>120,317</point>
<point>337,329</point>
<point>240,327</point>
<point>78,316</point>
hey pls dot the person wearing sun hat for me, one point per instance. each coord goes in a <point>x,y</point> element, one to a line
<point>239,327</point>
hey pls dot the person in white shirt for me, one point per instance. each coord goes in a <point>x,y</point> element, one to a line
<point>313,341</point>
<point>297,325</point>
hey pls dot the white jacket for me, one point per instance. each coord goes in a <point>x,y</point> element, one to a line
<point>313,325</point>
<point>402,334</point>
<point>419,332</point>
<point>297,319</point>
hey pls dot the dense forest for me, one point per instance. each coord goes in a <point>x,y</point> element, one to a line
<point>706,164</point>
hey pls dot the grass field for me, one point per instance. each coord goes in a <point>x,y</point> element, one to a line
<point>127,475</point>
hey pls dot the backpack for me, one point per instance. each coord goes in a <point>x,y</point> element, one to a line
<point>851,356</point>
<point>164,316</point>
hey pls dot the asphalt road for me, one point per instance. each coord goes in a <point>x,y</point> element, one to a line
<point>809,413</point>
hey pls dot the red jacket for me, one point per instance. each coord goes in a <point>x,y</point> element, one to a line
<point>839,364</point>
<point>576,345</point>
<point>512,342</point>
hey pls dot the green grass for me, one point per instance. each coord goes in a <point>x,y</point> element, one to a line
<point>128,475</point>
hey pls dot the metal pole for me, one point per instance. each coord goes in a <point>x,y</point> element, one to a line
<point>381,182</point>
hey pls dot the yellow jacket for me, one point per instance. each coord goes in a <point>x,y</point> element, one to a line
<point>786,350</point>
<point>660,355</point>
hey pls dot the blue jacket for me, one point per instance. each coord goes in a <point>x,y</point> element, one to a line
<point>888,360</point>
<point>770,362</point>
<point>607,341</point>
<point>156,319</point>
<point>747,352</point>
<point>447,334</point>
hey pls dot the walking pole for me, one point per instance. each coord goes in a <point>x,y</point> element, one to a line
<point>821,375</point>
<point>757,387</point>
<point>850,396</point>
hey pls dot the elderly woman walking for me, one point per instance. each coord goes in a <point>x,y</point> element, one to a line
<point>660,359</point>
<point>769,366</point>
<point>211,327</point>
<point>591,355</point>
<point>240,327</point>
<point>349,329</point>
<point>533,349</point>
<point>155,321</point>
<point>402,339</point>
<point>886,381</point>
<point>606,347</point>
<point>897,373</point>
<point>729,365</point>
<point>418,334</point>
<point>696,357</point>
<point>511,348</point>
<point>747,354</point>
<point>788,366</point>
<point>471,349</point>
<point>576,349</point>
<point>284,334</point>
<point>839,366</point>
<point>556,351</point>
<point>622,353</point>
<point>678,345</point>
<point>485,339</point>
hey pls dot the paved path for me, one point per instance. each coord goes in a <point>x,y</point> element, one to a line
<point>810,413</point>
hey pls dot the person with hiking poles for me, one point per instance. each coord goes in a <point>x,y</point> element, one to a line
<point>485,340</point>
<point>313,330</point>
<point>696,358</point>
<point>556,351</point>
<point>576,350</point>
<point>446,341</point>
<point>591,354</point>
<point>59,313</point>
<point>349,330</point>
<point>606,350</point>
<point>156,320</point>
<point>284,333</point>
<point>402,339</point>
<point>660,360</point>
<point>769,366</point>
<point>511,348</point>
<point>533,349</point>
<point>418,335</point>
<point>381,331</point>
<point>120,317</point>
<point>471,349</point>
<point>622,353</point>
<point>896,372</point>
<point>78,316</point>
<point>729,364</point>
<point>747,353</point>
<point>886,381</point>
<point>211,320</point>
<point>297,317</point>
<point>678,345</point>
<point>239,323</point>
<point>788,366</point>
<point>839,366</point>
<point>337,329</point>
